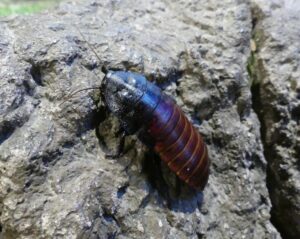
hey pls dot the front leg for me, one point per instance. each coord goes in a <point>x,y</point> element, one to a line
<point>120,148</point>
<point>126,128</point>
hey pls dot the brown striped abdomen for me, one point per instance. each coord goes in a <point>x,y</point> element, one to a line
<point>179,144</point>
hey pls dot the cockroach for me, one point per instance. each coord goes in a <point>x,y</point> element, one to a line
<point>144,109</point>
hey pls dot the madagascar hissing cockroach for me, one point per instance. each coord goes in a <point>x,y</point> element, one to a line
<point>144,109</point>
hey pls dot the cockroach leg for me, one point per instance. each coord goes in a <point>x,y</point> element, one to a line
<point>120,148</point>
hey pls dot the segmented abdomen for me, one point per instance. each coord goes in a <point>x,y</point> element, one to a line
<point>179,144</point>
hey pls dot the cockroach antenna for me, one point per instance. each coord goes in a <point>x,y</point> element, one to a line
<point>69,96</point>
<point>103,68</point>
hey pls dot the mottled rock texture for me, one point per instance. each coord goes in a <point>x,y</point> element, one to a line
<point>55,181</point>
<point>276,78</point>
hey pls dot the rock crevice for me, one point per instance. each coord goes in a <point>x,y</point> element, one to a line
<point>274,94</point>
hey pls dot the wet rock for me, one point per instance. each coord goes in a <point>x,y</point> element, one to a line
<point>55,181</point>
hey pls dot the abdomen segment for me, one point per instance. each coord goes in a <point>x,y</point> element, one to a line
<point>179,144</point>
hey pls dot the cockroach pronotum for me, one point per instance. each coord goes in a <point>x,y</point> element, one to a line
<point>145,110</point>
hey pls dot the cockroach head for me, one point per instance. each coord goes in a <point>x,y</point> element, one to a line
<point>122,90</point>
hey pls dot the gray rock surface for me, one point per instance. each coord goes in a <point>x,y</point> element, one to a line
<point>55,181</point>
<point>277,80</point>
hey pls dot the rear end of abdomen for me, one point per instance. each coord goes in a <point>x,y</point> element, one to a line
<point>179,144</point>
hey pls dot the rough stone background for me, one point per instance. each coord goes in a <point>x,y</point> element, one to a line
<point>55,181</point>
<point>276,77</point>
